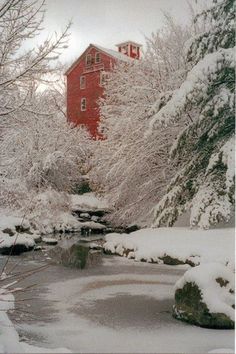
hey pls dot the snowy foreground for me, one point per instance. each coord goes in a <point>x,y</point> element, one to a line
<point>118,307</point>
<point>122,304</point>
<point>181,244</point>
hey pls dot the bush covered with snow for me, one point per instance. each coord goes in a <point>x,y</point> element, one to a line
<point>50,211</point>
<point>204,296</point>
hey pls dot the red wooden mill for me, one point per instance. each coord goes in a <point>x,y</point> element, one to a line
<point>85,80</point>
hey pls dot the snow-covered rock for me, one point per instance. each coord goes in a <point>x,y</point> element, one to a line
<point>92,225</point>
<point>204,296</point>
<point>50,241</point>
<point>176,244</point>
<point>84,215</point>
<point>88,202</point>
<point>15,244</point>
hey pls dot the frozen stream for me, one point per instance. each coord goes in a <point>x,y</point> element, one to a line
<point>119,306</point>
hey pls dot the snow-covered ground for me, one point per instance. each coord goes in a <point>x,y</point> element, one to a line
<point>184,244</point>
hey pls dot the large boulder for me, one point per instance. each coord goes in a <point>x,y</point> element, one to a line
<point>204,296</point>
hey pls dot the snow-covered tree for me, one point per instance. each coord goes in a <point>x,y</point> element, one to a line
<point>42,150</point>
<point>203,154</point>
<point>129,169</point>
<point>38,148</point>
<point>23,59</point>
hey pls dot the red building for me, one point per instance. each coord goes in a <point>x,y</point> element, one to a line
<point>85,80</point>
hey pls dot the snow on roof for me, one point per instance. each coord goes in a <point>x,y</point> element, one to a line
<point>110,52</point>
<point>114,53</point>
<point>127,42</point>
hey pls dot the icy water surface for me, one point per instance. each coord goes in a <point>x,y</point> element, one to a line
<point>119,306</point>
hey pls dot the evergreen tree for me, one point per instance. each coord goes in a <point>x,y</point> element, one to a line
<point>204,151</point>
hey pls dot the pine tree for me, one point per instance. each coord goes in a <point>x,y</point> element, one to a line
<point>203,153</point>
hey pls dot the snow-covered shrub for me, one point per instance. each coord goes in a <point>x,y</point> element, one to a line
<point>50,211</point>
<point>204,296</point>
<point>129,169</point>
<point>13,193</point>
<point>202,154</point>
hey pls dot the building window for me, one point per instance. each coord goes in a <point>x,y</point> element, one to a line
<point>83,104</point>
<point>88,59</point>
<point>125,49</point>
<point>135,50</point>
<point>103,77</point>
<point>82,82</point>
<point>97,58</point>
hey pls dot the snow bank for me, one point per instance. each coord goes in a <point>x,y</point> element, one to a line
<point>186,245</point>
<point>218,297</point>
<point>88,202</point>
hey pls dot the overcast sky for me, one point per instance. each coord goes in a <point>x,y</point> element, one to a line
<point>108,22</point>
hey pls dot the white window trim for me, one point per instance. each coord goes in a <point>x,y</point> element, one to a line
<point>89,56</point>
<point>82,86</point>
<point>97,62</point>
<point>102,75</point>
<point>83,104</point>
<point>106,77</point>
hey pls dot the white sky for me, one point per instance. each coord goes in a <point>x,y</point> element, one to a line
<point>108,22</point>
